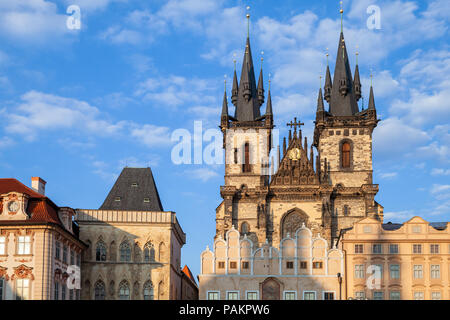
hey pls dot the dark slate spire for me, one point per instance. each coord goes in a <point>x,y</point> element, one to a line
<point>343,101</point>
<point>261,88</point>
<point>247,108</point>
<point>328,84</point>
<point>320,106</point>
<point>224,106</point>
<point>357,84</point>
<point>134,190</point>
<point>269,105</point>
<point>371,100</point>
<point>234,90</point>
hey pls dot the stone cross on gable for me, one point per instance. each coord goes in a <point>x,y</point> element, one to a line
<point>295,124</point>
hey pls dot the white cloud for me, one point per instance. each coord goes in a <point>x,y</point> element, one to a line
<point>398,216</point>
<point>32,21</point>
<point>203,174</point>
<point>388,175</point>
<point>152,135</point>
<point>118,35</point>
<point>440,172</point>
<point>394,137</point>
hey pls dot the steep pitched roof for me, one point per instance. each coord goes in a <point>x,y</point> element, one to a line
<point>343,104</point>
<point>247,104</point>
<point>132,187</point>
<point>188,273</point>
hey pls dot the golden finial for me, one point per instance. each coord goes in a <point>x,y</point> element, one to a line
<point>342,16</point>
<point>327,56</point>
<point>320,80</point>
<point>234,60</point>
<point>262,56</point>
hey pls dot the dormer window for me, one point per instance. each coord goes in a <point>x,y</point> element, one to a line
<point>117,199</point>
<point>146,200</point>
<point>134,184</point>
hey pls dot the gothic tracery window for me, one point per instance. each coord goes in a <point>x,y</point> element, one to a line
<point>124,290</point>
<point>125,252</point>
<point>100,252</point>
<point>148,291</point>
<point>292,222</point>
<point>149,252</point>
<point>99,290</point>
<point>345,154</point>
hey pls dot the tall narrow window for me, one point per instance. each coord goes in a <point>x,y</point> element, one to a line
<point>100,251</point>
<point>148,291</point>
<point>246,166</point>
<point>22,287</point>
<point>345,155</point>
<point>24,245</point>
<point>99,290</point>
<point>1,288</point>
<point>125,252</point>
<point>124,291</point>
<point>149,252</point>
<point>2,245</point>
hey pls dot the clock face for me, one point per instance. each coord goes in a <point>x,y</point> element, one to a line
<point>13,206</point>
<point>294,154</point>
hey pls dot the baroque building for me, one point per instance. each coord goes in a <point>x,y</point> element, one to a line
<point>40,251</point>
<point>134,246</point>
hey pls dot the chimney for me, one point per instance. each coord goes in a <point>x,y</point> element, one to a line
<point>38,184</point>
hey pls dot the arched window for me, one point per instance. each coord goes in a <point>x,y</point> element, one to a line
<point>292,221</point>
<point>148,291</point>
<point>124,290</point>
<point>345,153</point>
<point>99,290</point>
<point>149,252</point>
<point>100,251</point>
<point>125,252</point>
<point>246,166</point>
<point>245,228</point>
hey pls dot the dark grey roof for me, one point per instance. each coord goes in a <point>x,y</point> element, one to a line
<point>132,187</point>
<point>247,103</point>
<point>320,106</point>
<point>371,100</point>
<point>343,104</point>
<point>391,226</point>
<point>439,225</point>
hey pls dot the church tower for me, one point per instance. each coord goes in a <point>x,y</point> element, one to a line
<point>247,140</point>
<point>343,136</point>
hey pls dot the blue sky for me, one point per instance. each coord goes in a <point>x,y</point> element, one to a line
<point>76,106</point>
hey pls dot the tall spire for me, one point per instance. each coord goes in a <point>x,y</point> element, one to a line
<point>343,101</point>
<point>269,103</point>
<point>357,81</point>
<point>247,104</point>
<point>371,97</point>
<point>320,106</point>
<point>328,83</point>
<point>225,102</point>
<point>261,85</point>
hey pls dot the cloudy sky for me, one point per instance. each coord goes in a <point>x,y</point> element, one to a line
<point>77,105</point>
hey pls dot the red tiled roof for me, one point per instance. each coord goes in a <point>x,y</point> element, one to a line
<point>40,208</point>
<point>188,273</point>
<point>10,184</point>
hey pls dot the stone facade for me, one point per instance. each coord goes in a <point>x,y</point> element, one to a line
<point>148,269</point>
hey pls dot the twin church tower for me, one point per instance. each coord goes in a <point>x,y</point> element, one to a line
<point>327,192</point>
